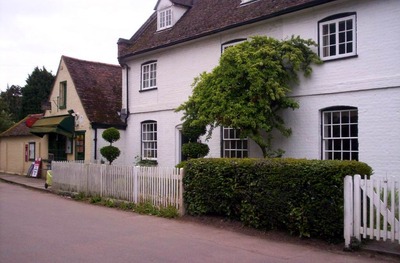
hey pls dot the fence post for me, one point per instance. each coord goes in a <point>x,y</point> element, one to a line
<point>181,202</point>
<point>102,172</point>
<point>357,207</point>
<point>135,184</point>
<point>348,210</point>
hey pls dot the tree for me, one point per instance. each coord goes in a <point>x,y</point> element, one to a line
<point>110,152</point>
<point>248,89</point>
<point>5,117</point>
<point>36,91</point>
<point>12,97</point>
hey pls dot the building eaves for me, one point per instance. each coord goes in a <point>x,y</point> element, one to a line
<point>207,17</point>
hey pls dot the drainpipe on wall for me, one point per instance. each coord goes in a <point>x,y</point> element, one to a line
<point>127,93</point>
<point>95,144</point>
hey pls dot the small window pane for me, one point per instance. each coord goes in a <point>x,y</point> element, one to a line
<point>332,28</point>
<point>353,117</point>
<point>342,26</point>
<point>349,35</point>
<point>327,131</point>
<point>342,37</point>
<point>345,117</point>
<point>346,145</point>
<point>326,52</point>
<point>342,49</point>
<point>327,117</point>
<point>349,24</point>
<point>354,145</point>
<point>325,30</point>
<point>328,145</point>
<point>345,131</point>
<point>354,130</point>
<point>332,50</point>
<point>325,41</point>
<point>336,117</point>
<point>332,39</point>
<point>337,145</point>
<point>349,47</point>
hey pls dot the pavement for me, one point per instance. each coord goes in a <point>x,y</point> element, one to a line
<point>26,181</point>
<point>380,247</point>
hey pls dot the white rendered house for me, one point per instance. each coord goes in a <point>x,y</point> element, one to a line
<point>349,108</point>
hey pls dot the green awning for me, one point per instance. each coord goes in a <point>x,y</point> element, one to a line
<point>63,125</point>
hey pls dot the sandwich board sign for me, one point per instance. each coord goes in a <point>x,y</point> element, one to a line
<point>36,167</point>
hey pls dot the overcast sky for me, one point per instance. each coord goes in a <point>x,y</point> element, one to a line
<point>38,32</point>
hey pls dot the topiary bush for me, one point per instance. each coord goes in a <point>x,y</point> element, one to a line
<point>193,132</point>
<point>111,135</point>
<point>304,197</point>
<point>194,149</point>
<point>110,152</point>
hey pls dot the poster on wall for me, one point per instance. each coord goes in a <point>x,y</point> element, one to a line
<point>36,167</point>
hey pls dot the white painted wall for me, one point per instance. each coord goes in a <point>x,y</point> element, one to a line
<point>370,82</point>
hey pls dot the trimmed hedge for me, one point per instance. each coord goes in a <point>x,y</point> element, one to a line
<point>302,196</point>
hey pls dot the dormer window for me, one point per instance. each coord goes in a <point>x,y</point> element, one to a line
<point>164,19</point>
<point>170,11</point>
<point>246,1</point>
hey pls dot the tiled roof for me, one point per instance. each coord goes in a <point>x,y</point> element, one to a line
<point>206,17</point>
<point>20,128</point>
<point>99,87</point>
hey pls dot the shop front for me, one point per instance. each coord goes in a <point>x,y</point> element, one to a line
<point>60,131</point>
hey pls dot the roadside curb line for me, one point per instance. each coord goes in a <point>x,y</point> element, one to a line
<point>25,185</point>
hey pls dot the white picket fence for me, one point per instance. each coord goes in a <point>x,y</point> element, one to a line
<point>161,186</point>
<point>371,208</point>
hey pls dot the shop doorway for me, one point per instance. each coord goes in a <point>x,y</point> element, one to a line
<point>58,146</point>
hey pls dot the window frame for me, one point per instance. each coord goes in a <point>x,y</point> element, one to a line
<point>346,143</point>
<point>32,151</point>
<point>233,142</point>
<point>146,76</point>
<point>165,18</point>
<point>149,145</point>
<point>62,95</point>
<point>336,20</point>
<point>80,145</point>
<point>232,43</point>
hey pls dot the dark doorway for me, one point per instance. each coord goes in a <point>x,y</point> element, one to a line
<point>57,146</point>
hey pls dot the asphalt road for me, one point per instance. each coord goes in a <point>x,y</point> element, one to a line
<point>42,227</point>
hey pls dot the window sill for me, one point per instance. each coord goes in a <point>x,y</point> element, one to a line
<point>149,89</point>
<point>335,59</point>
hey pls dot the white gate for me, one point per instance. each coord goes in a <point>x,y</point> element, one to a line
<point>371,208</point>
